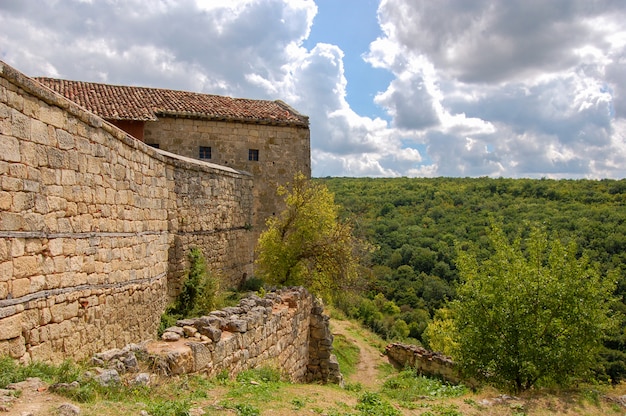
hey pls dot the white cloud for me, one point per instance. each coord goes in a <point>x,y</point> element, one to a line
<point>485,87</point>
<point>519,89</point>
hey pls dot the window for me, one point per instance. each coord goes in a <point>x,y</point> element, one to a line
<point>253,154</point>
<point>204,152</point>
<point>155,145</point>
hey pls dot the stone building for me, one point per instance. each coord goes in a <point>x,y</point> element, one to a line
<point>95,224</point>
<point>267,139</point>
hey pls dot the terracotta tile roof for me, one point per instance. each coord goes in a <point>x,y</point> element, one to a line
<point>116,102</point>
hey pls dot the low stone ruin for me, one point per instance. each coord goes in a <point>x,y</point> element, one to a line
<point>424,361</point>
<point>286,329</point>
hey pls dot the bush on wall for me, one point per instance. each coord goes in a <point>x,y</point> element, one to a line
<point>198,295</point>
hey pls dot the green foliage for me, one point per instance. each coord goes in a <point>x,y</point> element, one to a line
<point>347,354</point>
<point>372,404</point>
<point>533,316</point>
<point>416,223</point>
<point>383,316</point>
<point>297,403</point>
<point>169,408</point>
<point>253,284</point>
<point>198,295</point>
<point>307,244</point>
<point>443,410</point>
<point>441,334</point>
<point>13,372</point>
<point>261,374</point>
<point>254,387</point>
<point>10,372</point>
<point>223,376</point>
<point>399,330</point>
<point>244,409</point>
<point>409,386</point>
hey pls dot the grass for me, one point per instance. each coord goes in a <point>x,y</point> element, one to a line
<point>262,391</point>
<point>12,372</point>
<point>169,408</point>
<point>408,386</point>
<point>347,354</point>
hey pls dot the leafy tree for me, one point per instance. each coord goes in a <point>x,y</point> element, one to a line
<point>308,244</point>
<point>441,333</point>
<point>530,316</point>
<point>400,329</point>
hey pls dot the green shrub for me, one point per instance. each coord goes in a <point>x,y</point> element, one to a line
<point>408,386</point>
<point>199,291</point>
<point>198,295</point>
<point>12,372</point>
<point>372,405</point>
<point>9,372</point>
<point>246,410</point>
<point>169,408</point>
<point>260,374</point>
<point>253,284</point>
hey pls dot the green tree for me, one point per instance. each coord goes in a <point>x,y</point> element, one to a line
<point>441,334</point>
<point>530,316</point>
<point>308,244</point>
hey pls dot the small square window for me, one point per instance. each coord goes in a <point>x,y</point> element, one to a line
<point>155,145</point>
<point>204,152</point>
<point>253,154</point>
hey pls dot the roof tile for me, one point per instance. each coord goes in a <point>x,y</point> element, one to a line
<point>116,102</point>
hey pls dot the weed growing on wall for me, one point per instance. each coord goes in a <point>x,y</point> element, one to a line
<point>198,295</point>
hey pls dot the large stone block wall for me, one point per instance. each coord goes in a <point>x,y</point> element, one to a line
<point>94,226</point>
<point>283,151</point>
<point>213,211</point>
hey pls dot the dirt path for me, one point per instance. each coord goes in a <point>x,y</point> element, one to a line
<point>370,359</point>
<point>34,399</point>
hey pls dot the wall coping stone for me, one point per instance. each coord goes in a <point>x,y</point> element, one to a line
<point>52,98</point>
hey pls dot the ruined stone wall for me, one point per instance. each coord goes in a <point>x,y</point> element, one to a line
<point>283,151</point>
<point>286,329</point>
<point>94,226</point>
<point>424,361</point>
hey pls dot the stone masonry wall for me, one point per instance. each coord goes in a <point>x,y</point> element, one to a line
<point>94,226</point>
<point>286,329</point>
<point>424,361</point>
<point>283,151</point>
<point>213,211</point>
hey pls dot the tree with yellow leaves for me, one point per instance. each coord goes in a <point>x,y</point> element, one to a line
<point>308,244</point>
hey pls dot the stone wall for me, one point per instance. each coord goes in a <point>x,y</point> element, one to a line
<point>94,226</point>
<point>424,361</point>
<point>286,329</point>
<point>212,210</point>
<point>284,150</point>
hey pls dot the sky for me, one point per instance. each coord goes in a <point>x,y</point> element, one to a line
<point>416,88</point>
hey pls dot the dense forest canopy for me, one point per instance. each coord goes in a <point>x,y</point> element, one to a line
<point>416,223</point>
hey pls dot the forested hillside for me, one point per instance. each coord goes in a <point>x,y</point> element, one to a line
<point>414,224</point>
